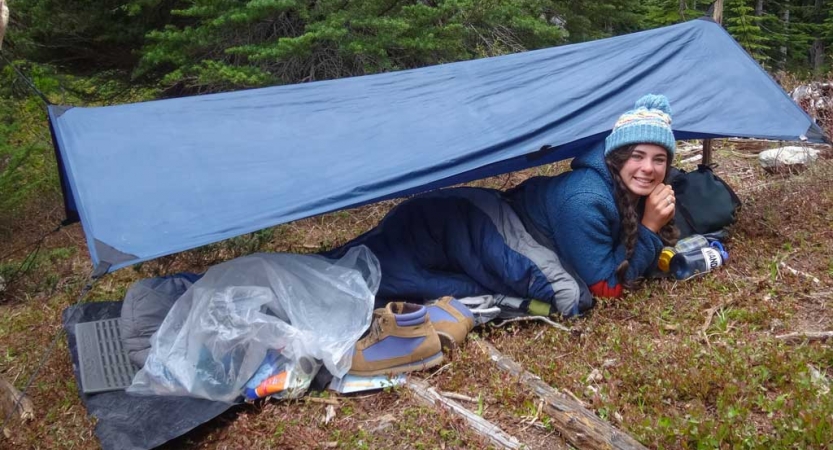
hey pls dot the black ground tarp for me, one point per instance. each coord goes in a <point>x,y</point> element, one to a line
<point>128,422</point>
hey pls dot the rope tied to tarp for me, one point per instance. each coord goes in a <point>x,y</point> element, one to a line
<point>26,79</point>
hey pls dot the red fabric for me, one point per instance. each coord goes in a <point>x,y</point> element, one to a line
<point>602,289</point>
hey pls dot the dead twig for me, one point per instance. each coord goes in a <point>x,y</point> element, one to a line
<point>802,336</point>
<point>798,272</point>
<point>446,366</point>
<point>534,318</point>
<point>456,396</point>
<point>575,398</point>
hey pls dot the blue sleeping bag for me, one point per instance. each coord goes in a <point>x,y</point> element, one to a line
<point>465,242</point>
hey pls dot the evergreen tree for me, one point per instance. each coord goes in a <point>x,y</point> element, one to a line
<point>586,20</point>
<point>668,12</point>
<point>88,36</point>
<point>827,29</point>
<point>260,42</point>
<point>744,26</point>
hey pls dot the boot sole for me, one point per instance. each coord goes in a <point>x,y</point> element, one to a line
<point>427,363</point>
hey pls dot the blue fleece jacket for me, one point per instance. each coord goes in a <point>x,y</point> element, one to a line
<point>576,212</point>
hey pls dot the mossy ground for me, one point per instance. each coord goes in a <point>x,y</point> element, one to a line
<point>691,364</point>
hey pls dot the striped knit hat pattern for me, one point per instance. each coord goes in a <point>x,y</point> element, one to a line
<point>649,122</point>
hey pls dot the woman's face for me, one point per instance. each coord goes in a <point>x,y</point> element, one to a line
<point>644,169</point>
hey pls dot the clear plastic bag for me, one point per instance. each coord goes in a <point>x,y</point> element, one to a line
<point>218,333</point>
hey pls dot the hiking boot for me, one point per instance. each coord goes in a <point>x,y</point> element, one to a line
<point>401,339</point>
<point>452,320</point>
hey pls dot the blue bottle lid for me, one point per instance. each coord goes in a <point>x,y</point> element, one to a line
<point>723,253</point>
<point>250,394</point>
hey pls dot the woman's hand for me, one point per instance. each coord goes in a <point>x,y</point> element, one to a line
<point>659,207</point>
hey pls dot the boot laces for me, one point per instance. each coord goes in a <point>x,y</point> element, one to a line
<point>375,329</point>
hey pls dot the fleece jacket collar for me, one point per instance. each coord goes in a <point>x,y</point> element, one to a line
<point>593,159</point>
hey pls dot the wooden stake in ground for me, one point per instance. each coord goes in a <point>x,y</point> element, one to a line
<point>577,424</point>
<point>429,396</point>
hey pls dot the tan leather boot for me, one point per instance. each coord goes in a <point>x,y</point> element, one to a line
<point>401,339</point>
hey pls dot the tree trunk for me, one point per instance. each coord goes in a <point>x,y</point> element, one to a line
<point>817,54</point>
<point>718,11</point>
<point>817,50</point>
<point>759,8</point>
<point>682,9</point>
<point>782,62</point>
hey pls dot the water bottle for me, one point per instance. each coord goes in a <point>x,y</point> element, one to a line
<point>685,245</point>
<point>699,261</point>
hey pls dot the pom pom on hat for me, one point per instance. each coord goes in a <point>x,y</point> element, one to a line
<point>653,101</point>
<point>648,123</point>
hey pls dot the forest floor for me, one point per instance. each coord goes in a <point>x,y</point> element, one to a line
<point>693,364</point>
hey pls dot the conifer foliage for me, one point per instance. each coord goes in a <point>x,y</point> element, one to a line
<point>745,27</point>
<point>230,44</point>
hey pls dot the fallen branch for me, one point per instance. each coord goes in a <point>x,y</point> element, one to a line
<point>531,318</point>
<point>798,272</point>
<point>802,336</point>
<point>580,426</point>
<point>429,396</point>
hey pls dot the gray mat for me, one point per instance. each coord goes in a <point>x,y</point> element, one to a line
<point>102,360</point>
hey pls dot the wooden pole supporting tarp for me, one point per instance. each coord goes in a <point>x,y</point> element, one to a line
<point>717,15</point>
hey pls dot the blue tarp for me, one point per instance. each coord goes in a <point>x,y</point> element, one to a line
<point>155,178</point>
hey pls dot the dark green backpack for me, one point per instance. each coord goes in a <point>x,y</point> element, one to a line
<point>705,203</point>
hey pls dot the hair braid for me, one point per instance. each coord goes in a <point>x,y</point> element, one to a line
<point>627,206</point>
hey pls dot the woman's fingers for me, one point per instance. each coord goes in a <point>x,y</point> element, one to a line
<point>662,196</point>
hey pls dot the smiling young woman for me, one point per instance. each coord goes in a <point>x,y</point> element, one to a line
<point>611,215</point>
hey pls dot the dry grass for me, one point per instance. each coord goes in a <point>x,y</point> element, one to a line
<point>683,365</point>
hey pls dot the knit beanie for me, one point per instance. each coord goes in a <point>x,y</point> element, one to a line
<point>649,122</point>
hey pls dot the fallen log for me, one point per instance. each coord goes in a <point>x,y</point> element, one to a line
<point>578,425</point>
<point>801,336</point>
<point>429,396</point>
